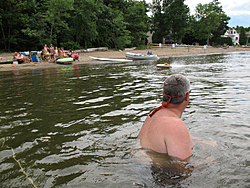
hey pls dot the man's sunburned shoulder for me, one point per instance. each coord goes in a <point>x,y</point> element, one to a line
<point>170,121</point>
<point>173,127</point>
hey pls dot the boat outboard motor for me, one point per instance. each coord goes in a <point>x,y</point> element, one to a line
<point>150,53</point>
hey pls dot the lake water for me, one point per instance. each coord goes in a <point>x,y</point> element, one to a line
<point>77,126</point>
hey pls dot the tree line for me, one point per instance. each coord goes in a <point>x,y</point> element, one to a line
<point>116,24</point>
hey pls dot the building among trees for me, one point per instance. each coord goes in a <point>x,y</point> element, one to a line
<point>233,34</point>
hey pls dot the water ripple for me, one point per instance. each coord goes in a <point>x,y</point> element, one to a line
<point>78,127</point>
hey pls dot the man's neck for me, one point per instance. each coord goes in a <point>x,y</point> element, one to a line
<point>175,109</point>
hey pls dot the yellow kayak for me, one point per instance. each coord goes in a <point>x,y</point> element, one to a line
<point>162,66</point>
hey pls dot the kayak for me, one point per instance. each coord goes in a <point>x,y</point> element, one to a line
<point>65,61</point>
<point>162,66</point>
<point>109,59</point>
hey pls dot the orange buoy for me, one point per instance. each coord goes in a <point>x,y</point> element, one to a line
<point>13,65</point>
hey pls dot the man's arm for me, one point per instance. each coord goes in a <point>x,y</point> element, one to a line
<point>205,142</point>
<point>17,57</point>
<point>178,140</point>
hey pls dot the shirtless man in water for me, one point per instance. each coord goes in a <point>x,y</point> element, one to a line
<point>163,131</point>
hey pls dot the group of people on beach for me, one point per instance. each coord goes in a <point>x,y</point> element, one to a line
<point>21,58</point>
<point>55,53</point>
<point>58,53</point>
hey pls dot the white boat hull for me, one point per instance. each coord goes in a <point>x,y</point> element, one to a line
<point>140,56</point>
<point>109,59</point>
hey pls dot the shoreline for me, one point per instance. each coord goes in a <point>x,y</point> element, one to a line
<point>84,58</point>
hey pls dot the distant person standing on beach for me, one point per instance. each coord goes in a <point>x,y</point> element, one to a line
<point>45,49</point>
<point>52,51</point>
<point>56,51</point>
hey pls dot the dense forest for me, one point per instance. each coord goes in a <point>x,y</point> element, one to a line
<point>116,24</point>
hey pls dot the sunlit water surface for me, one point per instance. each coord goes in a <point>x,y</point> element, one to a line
<point>77,126</point>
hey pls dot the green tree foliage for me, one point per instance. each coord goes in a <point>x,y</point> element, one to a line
<point>83,22</point>
<point>12,20</point>
<point>111,28</point>
<point>223,19</point>
<point>170,19</point>
<point>243,36</point>
<point>159,25</point>
<point>137,22</point>
<point>208,19</point>
<point>47,20</point>
<point>223,40</point>
<point>190,36</point>
<point>28,25</point>
<point>120,35</point>
<point>178,15</point>
<point>56,17</point>
<point>36,30</point>
<point>113,32</point>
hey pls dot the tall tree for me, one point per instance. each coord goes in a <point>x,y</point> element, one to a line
<point>209,17</point>
<point>72,23</point>
<point>170,18</point>
<point>159,25</point>
<point>12,20</point>
<point>37,27</point>
<point>56,17</point>
<point>178,15</point>
<point>83,22</point>
<point>137,22</point>
<point>243,36</point>
<point>115,4</point>
<point>190,36</point>
<point>111,28</point>
<point>223,24</point>
<point>120,34</point>
<point>48,19</point>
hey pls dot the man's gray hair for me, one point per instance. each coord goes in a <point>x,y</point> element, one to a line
<point>176,85</point>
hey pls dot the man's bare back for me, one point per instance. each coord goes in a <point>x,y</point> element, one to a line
<point>165,132</point>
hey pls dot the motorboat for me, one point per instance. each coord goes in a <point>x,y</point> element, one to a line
<point>134,56</point>
<point>163,66</point>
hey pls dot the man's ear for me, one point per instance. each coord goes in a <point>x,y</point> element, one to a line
<point>187,96</point>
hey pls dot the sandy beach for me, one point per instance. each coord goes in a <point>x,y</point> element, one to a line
<point>84,56</point>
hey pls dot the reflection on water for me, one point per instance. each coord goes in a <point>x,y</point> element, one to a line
<point>77,126</point>
<point>164,169</point>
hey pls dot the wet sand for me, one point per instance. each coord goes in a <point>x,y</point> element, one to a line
<point>84,56</point>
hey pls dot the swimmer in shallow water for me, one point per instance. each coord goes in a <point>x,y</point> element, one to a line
<point>163,130</point>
